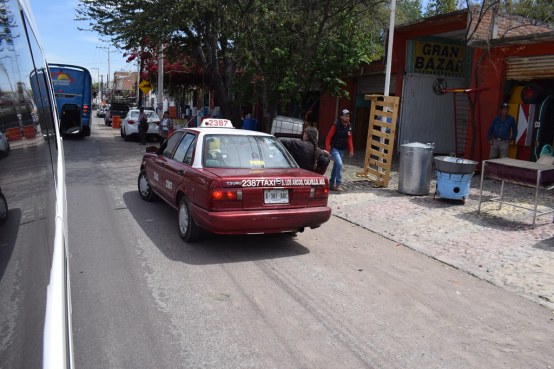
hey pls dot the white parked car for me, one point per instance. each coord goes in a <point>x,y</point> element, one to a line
<point>129,124</point>
<point>4,145</point>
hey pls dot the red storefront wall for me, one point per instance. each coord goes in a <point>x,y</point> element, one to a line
<point>329,109</point>
<point>426,28</point>
<point>489,71</point>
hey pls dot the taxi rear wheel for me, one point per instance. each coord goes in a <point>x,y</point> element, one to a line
<point>188,230</point>
<point>144,188</point>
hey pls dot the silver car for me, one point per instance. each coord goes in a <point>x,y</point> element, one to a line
<point>129,124</point>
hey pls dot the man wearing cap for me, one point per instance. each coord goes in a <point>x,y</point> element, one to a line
<point>503,129</point>
<point>339,139</point>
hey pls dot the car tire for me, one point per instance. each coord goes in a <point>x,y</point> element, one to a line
<point>188,230</point>
<point>126,137</point>
<point>121,132</point>
<point>3,209</point>
<point>144,189</point>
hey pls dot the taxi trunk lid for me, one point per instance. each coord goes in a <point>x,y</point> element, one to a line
<point>273,188</point>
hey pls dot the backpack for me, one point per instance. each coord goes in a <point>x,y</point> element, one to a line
<point>322,161</point>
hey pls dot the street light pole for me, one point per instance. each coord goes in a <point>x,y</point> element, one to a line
<point>108,82</point>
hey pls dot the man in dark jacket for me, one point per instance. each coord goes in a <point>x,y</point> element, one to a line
<point>339,139</point>
<point>305,152</point>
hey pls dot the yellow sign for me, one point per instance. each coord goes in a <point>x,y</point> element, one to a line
<point>439,58</point>
<point>145,86</point>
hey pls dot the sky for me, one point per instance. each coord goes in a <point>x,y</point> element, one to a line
<point>63,42</point>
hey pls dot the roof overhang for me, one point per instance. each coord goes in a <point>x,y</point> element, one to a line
<point>441,21</point>
<point>515,40</point>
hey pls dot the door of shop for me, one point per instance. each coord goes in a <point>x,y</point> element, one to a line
<point>427,116</point>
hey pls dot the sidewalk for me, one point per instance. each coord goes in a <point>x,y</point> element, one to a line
<point>498,246</point>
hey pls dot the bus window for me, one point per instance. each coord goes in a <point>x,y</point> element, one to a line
<point>36,322</point>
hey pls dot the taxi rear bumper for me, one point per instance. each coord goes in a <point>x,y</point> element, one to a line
<point>260,221</point>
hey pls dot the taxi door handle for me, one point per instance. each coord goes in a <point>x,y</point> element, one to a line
<point>181,172</point>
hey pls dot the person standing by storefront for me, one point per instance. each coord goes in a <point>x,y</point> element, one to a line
<point>502,130</point>
<point>338,140</point>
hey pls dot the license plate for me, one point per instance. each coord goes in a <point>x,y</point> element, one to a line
<point>276,196</point>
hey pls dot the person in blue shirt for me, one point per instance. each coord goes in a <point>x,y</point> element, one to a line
<point>503,129</point>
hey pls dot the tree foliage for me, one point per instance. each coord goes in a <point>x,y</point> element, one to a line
<point>249,50</point>
<point>408,11</point>
<point>542,10</point>
<point>435,7</point>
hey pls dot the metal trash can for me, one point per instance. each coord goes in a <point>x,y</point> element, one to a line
<point>414,174</point>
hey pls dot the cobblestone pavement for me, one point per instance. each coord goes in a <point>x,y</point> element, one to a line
<point>499,246</point>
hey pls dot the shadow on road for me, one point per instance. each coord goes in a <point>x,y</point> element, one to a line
<point>546,245</point>
<point>159,222</point>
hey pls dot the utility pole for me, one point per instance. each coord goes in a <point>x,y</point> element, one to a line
<point>99,98</point>
<point>389,46</point>
<point>108,82</point>
<point>160,82</point>
<point>138,82</point>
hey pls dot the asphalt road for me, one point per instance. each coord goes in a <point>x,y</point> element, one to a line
<point>336,297</point>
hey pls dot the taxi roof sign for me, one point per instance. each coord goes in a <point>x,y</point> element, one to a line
<point>216,123</point>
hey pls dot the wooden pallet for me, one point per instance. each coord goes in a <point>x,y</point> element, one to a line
<point>380,139</point>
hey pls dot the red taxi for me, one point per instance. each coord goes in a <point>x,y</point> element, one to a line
<point>232,181</point>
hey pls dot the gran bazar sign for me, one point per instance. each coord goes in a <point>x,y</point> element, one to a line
<point>438,58</point>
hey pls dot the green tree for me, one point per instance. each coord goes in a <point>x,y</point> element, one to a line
<point>408,11</point>
<point>290,48</point>
<point>258,50</point>
<point>435,7</point>
<point>542,10</point>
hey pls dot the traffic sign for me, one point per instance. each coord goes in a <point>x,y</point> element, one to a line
<point>145,86</point>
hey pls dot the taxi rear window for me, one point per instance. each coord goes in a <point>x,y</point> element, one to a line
<point>245,152</point>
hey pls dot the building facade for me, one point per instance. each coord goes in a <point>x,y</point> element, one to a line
<point>451,72</point>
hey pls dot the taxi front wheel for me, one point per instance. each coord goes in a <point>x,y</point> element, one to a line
<point>144,188</point>
<point>188,230</point>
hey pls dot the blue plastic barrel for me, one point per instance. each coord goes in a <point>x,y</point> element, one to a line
<point>250,124</point>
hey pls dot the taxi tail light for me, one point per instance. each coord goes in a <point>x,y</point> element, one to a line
<point>226,195</point>
<point>130,121</point>
<point>319,192</point>
<point>85,108</point>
